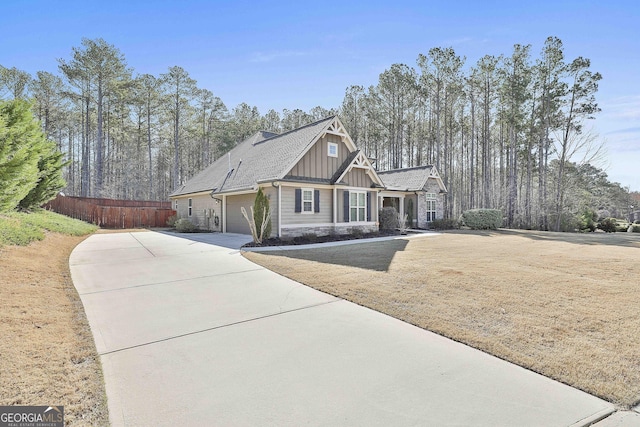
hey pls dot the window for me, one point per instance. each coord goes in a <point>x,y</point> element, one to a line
<point>357,206</point>
<point>333,149</point>
<point>175,207</point>
<point>190,207</point>
<point>431,206</point>
<point>307,200</point>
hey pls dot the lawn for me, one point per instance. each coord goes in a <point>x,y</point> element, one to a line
<point>47,353</point>
<point>564,305</point>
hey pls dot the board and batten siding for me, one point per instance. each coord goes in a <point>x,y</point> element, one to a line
<point>357,177</point>
<point>291,217</point>
<point>317,163</point>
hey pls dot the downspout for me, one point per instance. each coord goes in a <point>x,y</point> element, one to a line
<point>224,213</point>
<point>279,211</point>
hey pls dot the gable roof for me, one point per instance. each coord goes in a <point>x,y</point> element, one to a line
<point>357,159</point>
<point>410,179</point>
<point>262,157</point>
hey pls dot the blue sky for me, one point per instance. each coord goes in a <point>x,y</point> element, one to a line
<point>278,54</point>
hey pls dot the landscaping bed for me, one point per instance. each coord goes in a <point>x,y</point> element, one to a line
<point>308,239</point>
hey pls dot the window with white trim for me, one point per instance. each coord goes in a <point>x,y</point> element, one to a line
<point>332,149</point>
<point>357,206</point>
<point>431,206</point>
<point>190,210</point>
<point>175,206</point>
<point>307,200</point>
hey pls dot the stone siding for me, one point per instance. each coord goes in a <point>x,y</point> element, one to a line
<point>430,187</point>
<point>328,229</point>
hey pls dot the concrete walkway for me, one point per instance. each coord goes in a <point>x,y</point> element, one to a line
<point>191,333</point>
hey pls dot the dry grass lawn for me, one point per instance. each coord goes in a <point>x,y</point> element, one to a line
<point>564,305</point>
<point>47,353</point>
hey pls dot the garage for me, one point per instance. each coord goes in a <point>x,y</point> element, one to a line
<point>236,223</point>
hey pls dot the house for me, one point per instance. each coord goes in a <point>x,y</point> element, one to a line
<point>316,180</point>
<point>416,192</point>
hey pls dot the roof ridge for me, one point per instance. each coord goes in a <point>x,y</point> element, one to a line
<point>406,169</point>
<point>296,129</point>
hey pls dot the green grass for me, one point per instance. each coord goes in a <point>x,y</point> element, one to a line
<point>21,228</point>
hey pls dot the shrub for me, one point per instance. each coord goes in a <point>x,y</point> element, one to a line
<point>356,232</point>
<point>622,225</point>
<point>171,221</point>
<point>305,239</point>
<point>260,211</point>
<point>608,225</point>
<point>183,225</point>
<point>403,222</point>
<point>569,222</point>
<point>388,218</point>
<point>482,219</point>
<point>444,224</point>
<point>588,220</point>
<point>635,228</point>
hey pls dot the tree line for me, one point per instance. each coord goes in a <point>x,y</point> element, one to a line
<point>509,132</point>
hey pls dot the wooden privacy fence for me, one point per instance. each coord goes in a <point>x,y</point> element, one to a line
<point>111,213</point>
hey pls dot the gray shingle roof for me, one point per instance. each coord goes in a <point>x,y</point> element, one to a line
<point>343,167</point>
<point>409,179</point>
<point>261,157</point>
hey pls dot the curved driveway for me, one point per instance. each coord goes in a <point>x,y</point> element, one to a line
<point>191,333</point>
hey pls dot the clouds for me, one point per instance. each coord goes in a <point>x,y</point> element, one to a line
<point>622,108</point>
<point>619,122</point>
<point>264,57</point>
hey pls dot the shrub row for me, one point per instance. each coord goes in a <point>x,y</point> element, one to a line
<point>183,225</point>
<point>612,225</point>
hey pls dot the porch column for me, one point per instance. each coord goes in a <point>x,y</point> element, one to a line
<point>335,206</point>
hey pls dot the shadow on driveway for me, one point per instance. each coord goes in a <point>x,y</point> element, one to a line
<point>225,240</point>
<point>375,256</point>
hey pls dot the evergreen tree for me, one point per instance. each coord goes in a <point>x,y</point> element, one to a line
<point>21,143</point>
<point>50,180</point>
<point>260,210</point>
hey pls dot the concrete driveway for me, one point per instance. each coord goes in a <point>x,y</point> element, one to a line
<point>191,333</point>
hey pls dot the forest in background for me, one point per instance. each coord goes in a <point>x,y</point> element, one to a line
<point>510,132</point>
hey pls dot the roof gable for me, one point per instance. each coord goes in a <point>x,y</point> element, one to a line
<point>411,179</point>
<point>357,159</point>
<point>262,157</point>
